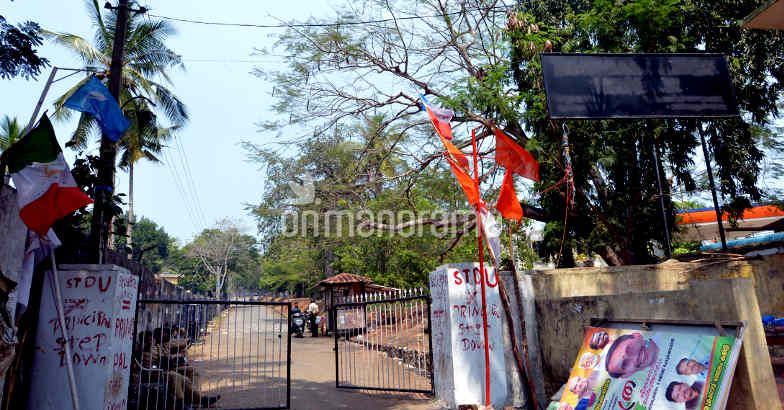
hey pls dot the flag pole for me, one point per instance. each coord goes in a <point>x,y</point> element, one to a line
<point>68,356</point>
<point>41,99</point>
<point>481,270</point>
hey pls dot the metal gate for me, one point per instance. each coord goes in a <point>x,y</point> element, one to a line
<point>230,354</point>
<point>382,342</point>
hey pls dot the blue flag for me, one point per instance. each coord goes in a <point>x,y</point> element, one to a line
<point>94,98</point>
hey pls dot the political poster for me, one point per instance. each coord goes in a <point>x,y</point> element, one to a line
<point>673,368</point>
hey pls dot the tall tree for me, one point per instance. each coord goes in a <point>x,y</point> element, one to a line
<point>18,54</point>
<point>222,253</point>
<point>143,140</point>
<point>153,246</point>
<point>362,217</point>
<point>613,164</point>
<point>479,58</point>
<point>145,80</point>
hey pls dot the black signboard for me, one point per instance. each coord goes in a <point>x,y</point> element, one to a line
<point>596,86</point>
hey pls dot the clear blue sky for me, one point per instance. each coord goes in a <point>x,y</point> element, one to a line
<point>224,100</point>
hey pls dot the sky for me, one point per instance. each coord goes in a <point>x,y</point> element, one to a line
<point>205,177</point>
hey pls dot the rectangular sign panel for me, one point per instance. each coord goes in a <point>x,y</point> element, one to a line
<point>674,368</point>
<point>600,86</point>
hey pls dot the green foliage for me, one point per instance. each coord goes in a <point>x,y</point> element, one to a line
<point>10,132</point>
<point>219,260</point>
<point>612,160</point>
<point>146,64</point>
<point>355,175</point>
<point>686,205</point>
<point>18,54</point>
<point>684,247</point>
<point>483,63</point>
<point>152,246</point>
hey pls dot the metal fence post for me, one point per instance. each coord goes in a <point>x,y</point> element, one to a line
<point>430,345</point>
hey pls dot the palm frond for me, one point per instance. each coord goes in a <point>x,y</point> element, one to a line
<point>10,132</point>
<point>84,128</point>
<point>79,46</point>
<point>175,109</point>
<point>102,34</point>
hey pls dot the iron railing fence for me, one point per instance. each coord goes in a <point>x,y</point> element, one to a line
<point>382,342</point>
<point>231,354</point>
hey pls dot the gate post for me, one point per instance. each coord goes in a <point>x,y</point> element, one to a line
<point>288,357</point>
<point>333,312</point>
<point>430,344</point>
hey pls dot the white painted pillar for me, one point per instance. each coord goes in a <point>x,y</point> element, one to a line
<point>458,340</point>
<point>100,304</point>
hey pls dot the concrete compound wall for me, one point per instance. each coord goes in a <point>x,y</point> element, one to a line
<point>567,299</point>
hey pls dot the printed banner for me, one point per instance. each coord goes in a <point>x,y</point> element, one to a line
<point>624,369</point>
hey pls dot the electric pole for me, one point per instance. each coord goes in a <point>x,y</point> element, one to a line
<point>104,189</point>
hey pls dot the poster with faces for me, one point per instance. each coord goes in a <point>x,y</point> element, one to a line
<point>630,369</point>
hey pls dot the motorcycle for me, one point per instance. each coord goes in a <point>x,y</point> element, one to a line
<point>298,324</point>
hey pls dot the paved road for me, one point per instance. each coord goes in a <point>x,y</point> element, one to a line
<point>244,360</point>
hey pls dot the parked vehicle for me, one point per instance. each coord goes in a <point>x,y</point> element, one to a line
<point>298,324</point>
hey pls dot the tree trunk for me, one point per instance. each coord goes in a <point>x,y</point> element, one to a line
<point>130,222</point>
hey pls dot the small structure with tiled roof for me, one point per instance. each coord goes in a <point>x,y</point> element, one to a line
<point>342,287</point>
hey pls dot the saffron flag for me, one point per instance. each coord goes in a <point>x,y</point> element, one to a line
<point>95,99</point>
<point>466,182</point>
<point>46,190</point>
<point>455,153</point>
<point>513,157</point>
<point>440,118</point>
<point>508,204</point>
<point>456,158</point>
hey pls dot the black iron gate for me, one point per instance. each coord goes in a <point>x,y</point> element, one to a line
<point>382,342</point>
<point>230,354</point>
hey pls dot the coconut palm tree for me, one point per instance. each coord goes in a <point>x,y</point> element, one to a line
<point>10,132</point>
<point>143,140</point>
<point>146,66</point>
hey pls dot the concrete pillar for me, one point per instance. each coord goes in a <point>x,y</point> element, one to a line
<point>100,304</point>
<point>458,341</point>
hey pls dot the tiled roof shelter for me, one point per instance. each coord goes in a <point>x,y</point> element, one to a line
<point>345,279</point>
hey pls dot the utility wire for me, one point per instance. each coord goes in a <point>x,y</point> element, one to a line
<point>188,176</point>
<point>333,24</point>
<point>187,202</point>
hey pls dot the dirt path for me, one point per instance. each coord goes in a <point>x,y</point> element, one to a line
<point>243,359</point>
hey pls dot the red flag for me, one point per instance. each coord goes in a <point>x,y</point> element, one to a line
<point>515,158</point>
<point>508,204</point>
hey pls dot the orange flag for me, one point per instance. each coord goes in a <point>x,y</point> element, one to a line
<point>508,204</point>
<point>455,153</point>
<point>466,182</point>
<point>515,158</point>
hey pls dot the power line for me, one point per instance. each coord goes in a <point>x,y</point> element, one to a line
<point>187,202</point>
<point>333,24</point>
<point>210,60</point>
<point>188,176</point>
